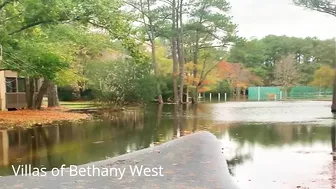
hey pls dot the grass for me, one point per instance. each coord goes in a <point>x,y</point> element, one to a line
<point>78,105</point>
<point>75,105</point>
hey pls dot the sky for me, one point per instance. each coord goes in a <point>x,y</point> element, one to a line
<point>259,18</point>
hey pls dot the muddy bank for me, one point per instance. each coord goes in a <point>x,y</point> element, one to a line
<point>193,161</point>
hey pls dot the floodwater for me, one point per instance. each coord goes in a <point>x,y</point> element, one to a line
<point>278,145</point>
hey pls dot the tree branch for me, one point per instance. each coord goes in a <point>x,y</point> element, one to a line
<point>39,23</point>
<point>324,6</point>
<point>29,26</point>
<point>214,46</point>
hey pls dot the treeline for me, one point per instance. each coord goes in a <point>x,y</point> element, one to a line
<point>141,50</point>
<point>261,56</point>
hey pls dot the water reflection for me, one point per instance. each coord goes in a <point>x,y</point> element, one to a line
<point>333,140</point>
<point>262,153</point>
<point>333,145</point>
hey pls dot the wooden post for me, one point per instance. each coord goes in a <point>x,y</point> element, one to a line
<point>258,93</point>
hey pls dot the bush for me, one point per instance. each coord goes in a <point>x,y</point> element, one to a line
<point>116,82</point>
<point>167,88</point>
<point>66,94</point>
<point>87,94</point>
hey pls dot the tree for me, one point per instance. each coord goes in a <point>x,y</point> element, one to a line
<point>286,72</point>
<point>148,16</point>
<point>328,7</point>
<point>324,6</point>
<point>208,26</point>
<point>237,76</point>
<point>323,77</point>
<point>121,80</point>
<point>35,58</point>
<point>209,60</point>
<point>22,19</point>
<point>259,55</point>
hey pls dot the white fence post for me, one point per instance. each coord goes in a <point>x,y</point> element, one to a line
<point>258,93</point>
<point>218,96</point>
<point>225,97</point>
<point>210,96</point>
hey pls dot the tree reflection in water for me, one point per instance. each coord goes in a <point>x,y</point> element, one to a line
<point>238,159</point>
<point>118,133</point>
<point>333,146</point>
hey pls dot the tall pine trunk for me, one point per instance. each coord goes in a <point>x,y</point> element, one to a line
<point>155,68</point>
<point>174,53</point>
<point>195,60</point>
<point>151,36</point>
<point>333,106</point>
<point>181,51</point>
<point>52,95</point>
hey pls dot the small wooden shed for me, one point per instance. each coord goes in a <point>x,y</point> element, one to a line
<point>12,90</point>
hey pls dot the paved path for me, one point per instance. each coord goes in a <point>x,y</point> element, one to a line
<point>194,161</point>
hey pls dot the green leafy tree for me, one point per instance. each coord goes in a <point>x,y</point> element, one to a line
<point>328,7</point>
<point>206,29</point>
<point>323,77</point>
<point>118,81</point>
<point>260,55</point>
<point>21,19</point>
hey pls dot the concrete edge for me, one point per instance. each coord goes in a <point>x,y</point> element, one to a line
<point>150,149</point>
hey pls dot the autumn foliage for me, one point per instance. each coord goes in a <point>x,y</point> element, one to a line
<point>32,117</point>
<point>237,75</point>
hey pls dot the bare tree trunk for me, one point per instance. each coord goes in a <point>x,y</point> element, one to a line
<point>181,51</point>
<point>333,106</point>
<point>52,96</point>
<point>30,93</point>
<point>174,53</point>
<point>43,90</point>
<point>155,68</point>
<point>151,36</point>
<point>195,82</point>
<point>187,94</point>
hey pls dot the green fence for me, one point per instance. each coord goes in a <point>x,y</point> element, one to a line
<point>264,93</point>
<point>306,92</point>
<point>296,93</point>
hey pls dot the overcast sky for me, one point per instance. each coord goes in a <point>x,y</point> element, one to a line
<point>258,18</point>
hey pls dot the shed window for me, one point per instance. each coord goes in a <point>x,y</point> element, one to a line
<point>11,85</point>
<point>21,85</point>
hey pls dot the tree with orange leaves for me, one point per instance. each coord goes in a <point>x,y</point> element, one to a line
<point>237,76</point>
<point>206,68</point>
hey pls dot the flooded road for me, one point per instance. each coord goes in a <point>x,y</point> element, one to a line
<point>276,145</point>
